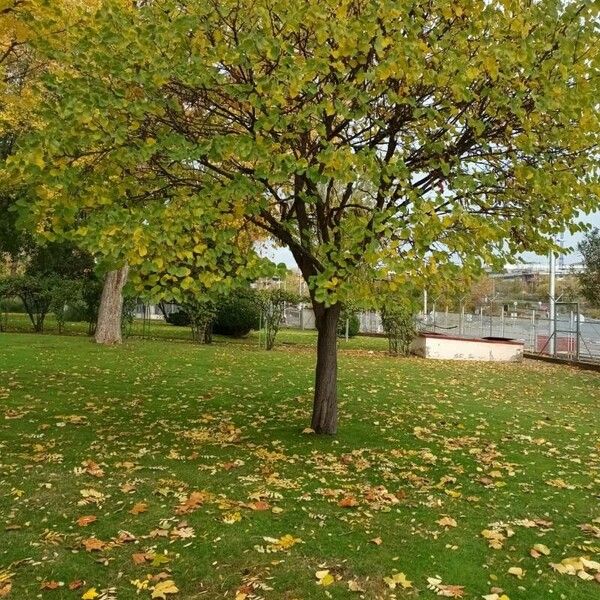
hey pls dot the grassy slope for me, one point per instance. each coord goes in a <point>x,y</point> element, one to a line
<point>429,432</point>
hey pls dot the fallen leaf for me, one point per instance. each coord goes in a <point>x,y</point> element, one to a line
<point>517,572</point>
<point>164,588</point>
<point>539,549</point>
<point>138,508</point>
<point>231,518</point>
<point>324,578</point>
<point>93,545</point>
<point>398,579</point>
<point>260,505</point>
<point>446,522</point>
<point>76,584</point>
<point>348,502</point>
<point>50,585</point>
<point>86,520</point>
<point>354,586</point>
<point>139,558</point>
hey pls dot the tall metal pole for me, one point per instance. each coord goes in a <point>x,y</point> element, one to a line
<point>552,304</point>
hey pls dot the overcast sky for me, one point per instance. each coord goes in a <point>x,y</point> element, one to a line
<point>285,256</point>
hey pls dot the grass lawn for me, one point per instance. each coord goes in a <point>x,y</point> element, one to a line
<point>20,323</point>
<point>162,465</point>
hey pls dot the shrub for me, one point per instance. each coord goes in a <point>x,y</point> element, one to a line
<point>179,319</point>
<point>12,305</point>
<point>237,314</point>
<point>353,324</point>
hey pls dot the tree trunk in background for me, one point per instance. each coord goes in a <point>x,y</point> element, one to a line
<point>325,416</point>
<point>108,329</point>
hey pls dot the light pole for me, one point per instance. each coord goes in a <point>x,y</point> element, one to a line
<point>552,303</point>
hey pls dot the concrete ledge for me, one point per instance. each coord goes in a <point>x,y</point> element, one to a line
<point>585,366</point>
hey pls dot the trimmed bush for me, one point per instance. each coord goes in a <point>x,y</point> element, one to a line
<point>179,319</point>
<point>12,305</point>
<point>237,314</point>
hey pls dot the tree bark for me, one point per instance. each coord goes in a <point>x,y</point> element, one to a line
<point>108,329</point>
<point>325,414</point>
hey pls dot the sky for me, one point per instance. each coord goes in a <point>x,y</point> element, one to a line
<point>285,256</point>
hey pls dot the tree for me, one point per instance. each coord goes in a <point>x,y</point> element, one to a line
<point>35,292</point>
<point>415,138</point>
<point>398,320</point>
<point>65,295</point>
<point>590,278</point>
<point>272,303</point>
<point>201,313</point>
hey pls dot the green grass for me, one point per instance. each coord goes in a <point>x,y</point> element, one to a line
<point>20,323</point>
<point>418,441</point>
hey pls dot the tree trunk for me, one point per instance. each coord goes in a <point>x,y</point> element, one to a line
<point>208,332</point>
<point>108,329</point>
<point>324,417</point>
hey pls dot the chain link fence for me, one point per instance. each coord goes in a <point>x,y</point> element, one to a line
<point>576,337</point>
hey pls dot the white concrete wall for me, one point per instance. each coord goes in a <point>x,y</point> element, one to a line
<point>443,348</point>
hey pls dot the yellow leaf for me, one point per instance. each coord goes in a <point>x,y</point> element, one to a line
<point>542,549</point>
<point>324,578</point>
<point>398,579</point>
<point>163,588</point>
<point>516,571</point>
<point>231,518</point>
<point>90,594</point>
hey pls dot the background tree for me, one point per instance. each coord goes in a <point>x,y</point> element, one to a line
<point>399,308</point>
<point>398,321</point>
<point>416,138</point>
<point>272,303</point>
<point>201,313</point>
<point>590,278</point>
<point>51,276</point>
<point>64,296</point>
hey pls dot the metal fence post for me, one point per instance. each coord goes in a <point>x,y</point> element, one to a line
<point>578,333</point>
